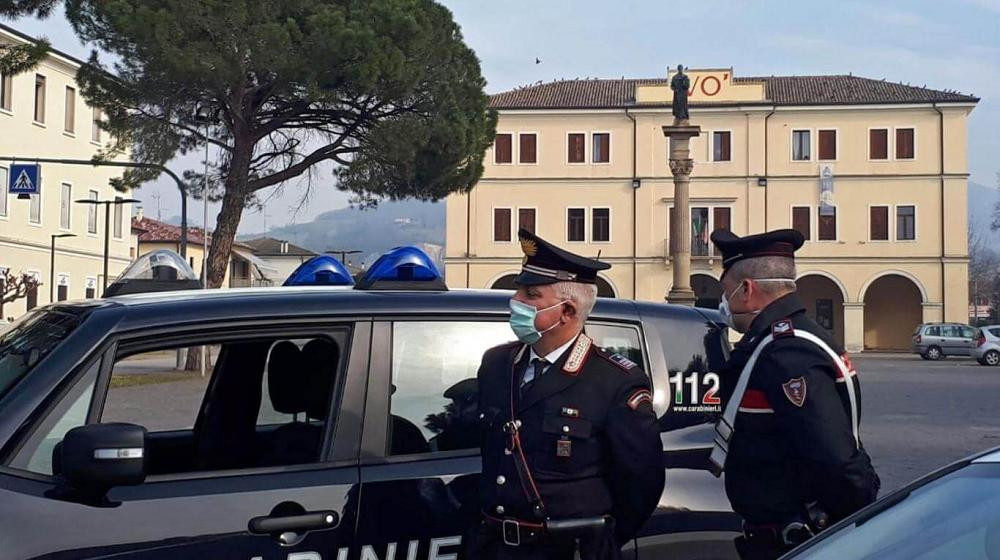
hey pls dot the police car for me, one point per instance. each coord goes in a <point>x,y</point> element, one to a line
<point>951,513</point>
<point>314,421</point>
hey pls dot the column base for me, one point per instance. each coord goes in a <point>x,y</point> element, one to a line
<point>682,297</point>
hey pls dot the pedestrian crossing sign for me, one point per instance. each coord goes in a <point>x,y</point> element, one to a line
<point>24,180</point>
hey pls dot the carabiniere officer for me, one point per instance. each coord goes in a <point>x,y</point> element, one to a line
<point>788,438</point>
<point>572,459</point>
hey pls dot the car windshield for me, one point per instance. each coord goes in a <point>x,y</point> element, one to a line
<point>30,339</point>
<point>956,516</point>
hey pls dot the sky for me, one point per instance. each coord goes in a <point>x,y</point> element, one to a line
<point>944,45</point>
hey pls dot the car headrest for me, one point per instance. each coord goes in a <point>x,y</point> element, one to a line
<point>286,376</point>
<point>320,357</point>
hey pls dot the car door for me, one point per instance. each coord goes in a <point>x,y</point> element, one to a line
<point>420,458</point>
<point>222,450</point>
<point>933,337</point>
<point>968,340</point>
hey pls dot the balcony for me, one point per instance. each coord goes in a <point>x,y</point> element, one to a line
<point>700,256</point>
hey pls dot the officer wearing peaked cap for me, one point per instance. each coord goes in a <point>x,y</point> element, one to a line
<point>572,459</point>
<point>788,437</point>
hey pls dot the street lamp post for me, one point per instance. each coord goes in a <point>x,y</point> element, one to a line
<point>52,263</point>
<point>107,225</point>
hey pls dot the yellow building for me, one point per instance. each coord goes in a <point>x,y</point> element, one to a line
<point>584,164</point>
<point>42,114</point>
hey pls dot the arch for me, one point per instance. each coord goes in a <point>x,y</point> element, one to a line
<point>907,275</point>
<point>827,275</point>
<point>707,290</point>
<point>503,281</point>
<point>605,288</point>
<point>823,296</point>
<point>893,309</point>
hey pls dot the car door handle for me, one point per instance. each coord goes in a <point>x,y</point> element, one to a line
<point>311,521</point>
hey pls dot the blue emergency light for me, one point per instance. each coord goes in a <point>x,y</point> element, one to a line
<point>321,270</point>
<point>403,268</point>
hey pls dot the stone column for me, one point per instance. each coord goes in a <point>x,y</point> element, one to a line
<point>679,135</point>
<point>854,327</point>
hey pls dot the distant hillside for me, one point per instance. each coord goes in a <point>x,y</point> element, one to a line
<point>981,202</point>
<point>373,232</point>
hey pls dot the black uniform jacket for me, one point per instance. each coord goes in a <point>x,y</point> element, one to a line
<point>793,443</point>
<point>588,432</point>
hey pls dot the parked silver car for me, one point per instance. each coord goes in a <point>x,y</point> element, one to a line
<point>934,341</point>
<point>987,348</point>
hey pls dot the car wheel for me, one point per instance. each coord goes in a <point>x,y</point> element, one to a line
<point>992,358</point>
<point>933,353</point>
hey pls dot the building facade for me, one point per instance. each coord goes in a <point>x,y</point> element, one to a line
<point>245,270</point>
<point>42,114</point>
<point>283,257</point>
<point>584,163</point>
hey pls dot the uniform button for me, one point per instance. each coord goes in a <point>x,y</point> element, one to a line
<point>517,423</point>
<point>500,510</point>
<point>501,480</point>
<point>507,452</point>
<point>482,415</point>
<point>565,429</point>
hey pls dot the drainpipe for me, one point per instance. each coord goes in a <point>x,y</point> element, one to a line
<point>941,160</point>
<point>765,173</point>
<point>635,221</point>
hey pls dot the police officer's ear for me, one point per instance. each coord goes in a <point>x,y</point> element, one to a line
<point>569,310</point>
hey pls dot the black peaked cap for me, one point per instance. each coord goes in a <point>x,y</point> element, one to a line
<point>544,263</point>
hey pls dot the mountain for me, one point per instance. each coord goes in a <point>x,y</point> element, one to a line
<point>981,202</point>
<point>373,231</point>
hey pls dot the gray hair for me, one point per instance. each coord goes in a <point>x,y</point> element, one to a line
<point>767,267</point>
<point>583,295</point>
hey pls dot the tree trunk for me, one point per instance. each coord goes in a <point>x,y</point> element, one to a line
<point>228,220</point>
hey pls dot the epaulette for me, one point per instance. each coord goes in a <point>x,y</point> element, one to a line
<point>618,360</point>
<point>782,328</point>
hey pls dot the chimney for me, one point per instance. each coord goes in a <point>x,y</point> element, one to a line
<point>138,214</point>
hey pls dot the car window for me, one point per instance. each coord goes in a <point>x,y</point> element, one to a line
<point>951,331</point>
<point>933,331</point>
<point>957,516</point>
<point>266,401</point>
<point>29,339</point>
<point>967,332</point>
<point>36,454</point>
<point>995,332</point>
<point>261,402</point>
<point>434,396</point>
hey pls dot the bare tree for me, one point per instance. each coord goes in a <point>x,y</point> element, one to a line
<point>15,286</point>
<point>984,267</point>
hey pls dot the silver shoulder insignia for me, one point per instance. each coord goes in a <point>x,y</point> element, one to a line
<point>578,355</point>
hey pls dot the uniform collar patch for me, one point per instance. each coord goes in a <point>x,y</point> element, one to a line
<point>622,361</point>
<point>577,355</point>
<point>795,390</point>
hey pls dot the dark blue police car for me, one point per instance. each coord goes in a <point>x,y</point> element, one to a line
<point>304,423</point>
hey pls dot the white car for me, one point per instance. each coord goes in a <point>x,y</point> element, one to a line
<point>987,347</point>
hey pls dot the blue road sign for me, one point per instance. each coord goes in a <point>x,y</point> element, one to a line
<point>25,179</point>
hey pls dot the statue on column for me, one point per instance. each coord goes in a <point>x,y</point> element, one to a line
<point>680,83</point>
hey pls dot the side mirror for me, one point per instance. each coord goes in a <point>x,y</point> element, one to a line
<point>93,459</point>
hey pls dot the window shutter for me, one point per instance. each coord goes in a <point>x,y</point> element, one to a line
<point>528,148</point>
<point>828,144</point>
<point>503,148</point>
<point>577,150</point>
<point>722,218</point>
<point>828,227</point>
<point>526,219</point>
<point>800,221</point>
<point>501,224</point>
<point>879,223</point>
<point>723,146</point>
<point>878,140</point>
<point>904,143</point>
